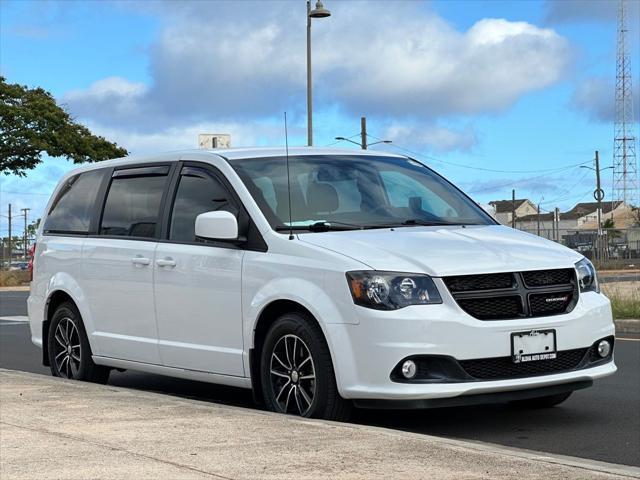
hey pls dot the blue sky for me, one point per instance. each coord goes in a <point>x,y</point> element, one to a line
<point>495,95</point>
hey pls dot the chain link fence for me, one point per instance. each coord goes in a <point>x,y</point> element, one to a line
<point>615,248</point>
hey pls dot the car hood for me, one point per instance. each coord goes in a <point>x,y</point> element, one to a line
<point>447,250</point>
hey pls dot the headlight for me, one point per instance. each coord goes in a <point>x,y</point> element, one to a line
<point>587,279</point>
<point>391,290</point>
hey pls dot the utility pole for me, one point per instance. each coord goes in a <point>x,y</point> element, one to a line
<point>598,194</point>
<point>26,237</point>
<point>10,246</point>
<point>556,217</point>
<point>363,144</point>
<point>513,208</point>
<point>538,219</point>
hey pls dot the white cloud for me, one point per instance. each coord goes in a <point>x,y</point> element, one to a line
<point>368,59</point>
<point>434,137</point>
<point>186,137</point>
<point>595,97</point>
<point>108,87</point>
<point>574,11</point>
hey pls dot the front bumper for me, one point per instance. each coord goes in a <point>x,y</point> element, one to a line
<point>476,399</point>
<point>365,354</point>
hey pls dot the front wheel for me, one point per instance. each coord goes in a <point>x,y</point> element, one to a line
<point>543,402</point>
<point>297,373</point>
<point>69,350</point>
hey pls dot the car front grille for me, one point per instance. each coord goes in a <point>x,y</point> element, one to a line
<point>497,308</point>
<point>502,296</point>
<point>501,368</point>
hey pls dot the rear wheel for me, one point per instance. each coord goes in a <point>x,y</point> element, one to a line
<point>69,350</point>
<point>297,373</point>
<point>543,402</point>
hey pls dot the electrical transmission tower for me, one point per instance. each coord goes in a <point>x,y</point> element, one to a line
<point>625,167</point>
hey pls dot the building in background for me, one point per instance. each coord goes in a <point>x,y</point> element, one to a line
<point>214,140</point>
<point>504,209</point>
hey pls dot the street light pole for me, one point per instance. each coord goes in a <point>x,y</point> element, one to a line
<point>309,99</point>
<point>363,143</point>
<point>318,12</point>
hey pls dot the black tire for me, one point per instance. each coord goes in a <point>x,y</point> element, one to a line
<point>69,349</point>
<point>298,332</point>
<point>542,402</point>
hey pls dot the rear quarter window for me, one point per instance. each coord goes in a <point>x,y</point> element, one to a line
<point>73,207</point>
<point>132,207</point>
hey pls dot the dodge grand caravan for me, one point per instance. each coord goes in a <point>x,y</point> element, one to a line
<point>350,278</point>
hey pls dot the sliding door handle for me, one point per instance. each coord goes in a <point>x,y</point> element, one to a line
<point>139,260</point>
<point>166,262</point>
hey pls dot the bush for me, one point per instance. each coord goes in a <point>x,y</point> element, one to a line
<point>14,278</point>
<point>625,298</point>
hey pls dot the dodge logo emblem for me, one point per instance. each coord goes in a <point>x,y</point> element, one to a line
<point>556,299</point>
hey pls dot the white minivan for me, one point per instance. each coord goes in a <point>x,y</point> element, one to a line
<point>320,279</point>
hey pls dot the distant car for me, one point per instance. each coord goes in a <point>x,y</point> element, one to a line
<point>19,266</point>
<point>334,278</point>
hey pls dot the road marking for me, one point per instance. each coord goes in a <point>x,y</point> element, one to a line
<point>17,318</point>
<point>629,339</point>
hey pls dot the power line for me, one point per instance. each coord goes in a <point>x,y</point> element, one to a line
<point>338,141</point>
<point>522,180</point>
<point>27,193</point>
<point>556,169</point>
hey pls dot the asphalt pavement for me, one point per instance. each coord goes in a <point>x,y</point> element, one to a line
<point>599,423</point>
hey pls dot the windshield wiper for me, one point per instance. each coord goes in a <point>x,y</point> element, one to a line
<point>431,223</point>
<point>428,223</point>
<point>320,227</point>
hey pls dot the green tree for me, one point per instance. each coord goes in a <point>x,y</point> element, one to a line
<point>32,228</point>
<point>31,123</point>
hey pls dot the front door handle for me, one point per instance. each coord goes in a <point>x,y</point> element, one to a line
<point>139,260</point>
<point>166,262</point>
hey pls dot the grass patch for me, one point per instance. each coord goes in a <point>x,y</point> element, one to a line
<point>625,308</point>
<point>13,278</point>
<point>625,299</point>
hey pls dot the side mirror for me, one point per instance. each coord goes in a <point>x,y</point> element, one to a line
<point>219,225</point>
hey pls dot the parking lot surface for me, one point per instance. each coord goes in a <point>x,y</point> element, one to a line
<point>599,423</point>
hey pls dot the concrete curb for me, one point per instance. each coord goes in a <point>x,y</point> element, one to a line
<point>634,277</point>
<point>15,289</point>
<point>130,433</point>
<point>627,326</point>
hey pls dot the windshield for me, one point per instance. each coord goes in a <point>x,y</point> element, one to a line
<point>350,191</point>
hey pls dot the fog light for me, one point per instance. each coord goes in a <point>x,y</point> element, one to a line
<point>409,369</point>
<point>604,349</point>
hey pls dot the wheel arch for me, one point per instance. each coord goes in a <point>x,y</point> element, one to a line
<point>54,300</point>
<point>267,317</point>
<point>58,295</point>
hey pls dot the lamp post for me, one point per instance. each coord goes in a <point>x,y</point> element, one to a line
<point>318,12</point>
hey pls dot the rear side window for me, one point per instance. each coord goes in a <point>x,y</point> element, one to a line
<point>199,191</point>
<point>73,208</point>
<point>132,208</point>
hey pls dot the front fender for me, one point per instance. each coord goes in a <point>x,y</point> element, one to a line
<point>308,294</point>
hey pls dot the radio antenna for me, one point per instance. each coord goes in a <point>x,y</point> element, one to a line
<point>286,146</point>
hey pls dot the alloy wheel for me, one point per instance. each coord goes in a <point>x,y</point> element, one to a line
<point>293,375</point>
<point>67,349</point>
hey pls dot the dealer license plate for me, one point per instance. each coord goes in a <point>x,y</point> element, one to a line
<point>533,346</point>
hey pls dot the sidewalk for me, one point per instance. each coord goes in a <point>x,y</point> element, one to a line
<point>50,428</point>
